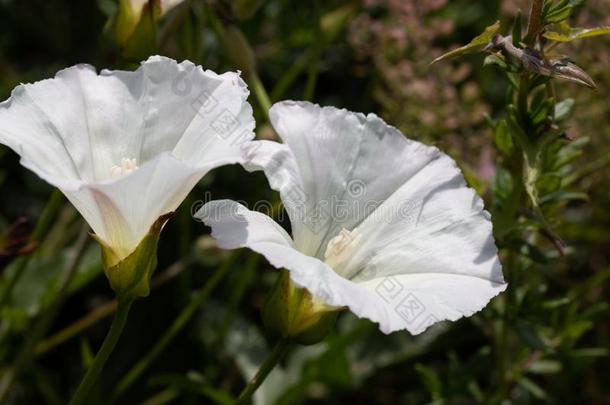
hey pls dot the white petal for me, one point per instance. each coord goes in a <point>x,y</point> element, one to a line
<point>407,206</point>
<point>175,120</point>
<point>235,226</point>
<point>121,211</point>
<point>344,164</point>
<point>412,302</point>
<point>433,223</point>
<point>80,124</point>
<point>418,301</point>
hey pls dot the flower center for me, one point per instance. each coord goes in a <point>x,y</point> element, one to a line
<point>341,247</point>
<point>127,166</point>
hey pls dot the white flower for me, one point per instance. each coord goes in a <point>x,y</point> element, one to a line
<point>127,147</point>
<point>381,224</point>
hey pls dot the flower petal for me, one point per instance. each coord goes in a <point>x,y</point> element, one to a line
<point>121,211</point>
<point>414,221</point>
<point>432,224</point>
<point>341,164</point>
<point>234,226</point>
<point>162,106</point>
<point>412,302</point>
<point>176,120</point>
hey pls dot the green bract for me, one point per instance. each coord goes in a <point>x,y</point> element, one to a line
<point>130,277</point>
<point>291,312</point>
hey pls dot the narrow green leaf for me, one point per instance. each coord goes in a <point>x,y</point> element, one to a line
<point>533,388</point>
<point>563,109</point>
<point>476,45</point>
<point>545,367</point>
<point>517,29</point>
<point>572,34</point>
<point>502,139</point>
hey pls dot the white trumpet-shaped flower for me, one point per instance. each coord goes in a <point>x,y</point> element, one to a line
<point>127,147</point>
<point>382,225</point>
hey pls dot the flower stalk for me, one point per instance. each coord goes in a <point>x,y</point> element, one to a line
<point>91,377</point>
<point>276,355</point>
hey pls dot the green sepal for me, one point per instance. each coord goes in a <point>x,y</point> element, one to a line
<point>130,277</point>
<point>291,313</point>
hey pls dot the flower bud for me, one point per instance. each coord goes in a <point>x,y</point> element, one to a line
<point>292,312</point>
<point>130,276</point>
<point>133,27</point>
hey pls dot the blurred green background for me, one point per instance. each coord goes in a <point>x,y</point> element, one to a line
<point>547,340</point>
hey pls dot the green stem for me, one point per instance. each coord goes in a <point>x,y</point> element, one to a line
<point>41,229</point>
<point>522,100</point>
<point>260,93</point>
<point>292,73</point>
<point>102,311</point>
<point>83,390</point>
<point>312,73</point>
<point>180,322</point>
<point>237,295</point>
<point>278,352</point>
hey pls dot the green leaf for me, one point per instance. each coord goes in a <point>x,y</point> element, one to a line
<point>476,45</point>
<point>517,29</point>
<point>545,367</point>
<point>533,388</point>
<point>503,185</point>
<point>563,196</point>
<point>591,352</point>
<point>563,109</point>
<point>560,11</point>
<point>493,60</point>
<point>568,34</point>
<point>430,380</point>
<point>502,139</point>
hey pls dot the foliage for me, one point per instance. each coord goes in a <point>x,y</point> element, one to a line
<point>534,145</point>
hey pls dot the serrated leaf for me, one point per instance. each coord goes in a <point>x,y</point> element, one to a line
<point>572,34</point>
<point>476,45</point>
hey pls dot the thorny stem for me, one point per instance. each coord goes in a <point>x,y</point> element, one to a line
<point>278,352</point>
